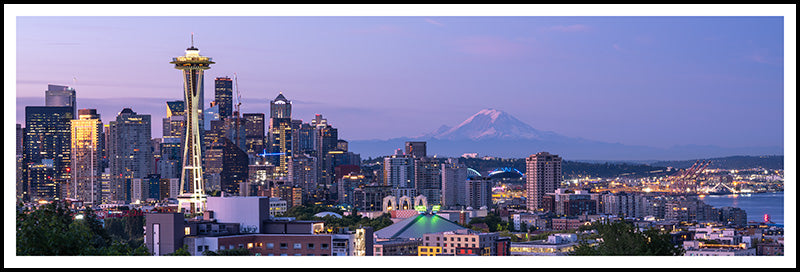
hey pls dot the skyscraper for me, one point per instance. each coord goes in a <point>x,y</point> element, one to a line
<point>280,129</point>
<point>303,173</point>
<point>327,141</point>
<point>234,167</point>
<point>223,95</point>
<point>86,138</point>
<point>47,137</point>
<point>174,124</point>
<point>192,66</point>
<point>398,171</point>
<point>305,142</point>
<point>254,132</point>
<point>210,114</point>
<point>130,154</point>
<point>416,149</point>
<point>428,179</point>
<point>543,175</point>
<point>478,192</point>
<point>454,177</point>
<point>61,96</point>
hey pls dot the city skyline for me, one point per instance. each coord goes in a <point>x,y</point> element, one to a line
<point>641,80</point>
<point>652,81</point>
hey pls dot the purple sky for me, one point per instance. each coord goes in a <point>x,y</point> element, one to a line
<point>654,81</point>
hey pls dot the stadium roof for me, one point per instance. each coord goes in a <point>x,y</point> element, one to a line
<point>415,227</point>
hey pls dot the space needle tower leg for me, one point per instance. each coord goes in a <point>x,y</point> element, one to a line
<point>192,66</point>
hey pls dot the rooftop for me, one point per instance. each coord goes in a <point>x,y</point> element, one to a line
<point>415,227</point>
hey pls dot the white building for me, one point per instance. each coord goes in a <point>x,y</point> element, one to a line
<point>248,211</point>
<point>277,206</point>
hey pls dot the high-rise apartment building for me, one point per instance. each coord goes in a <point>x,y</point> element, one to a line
<point>428,179</point>
<point>398,171</point>
<point>130,154</point>
<point>192,67</point>
<point>346,188</point>
<point>223,95</point>
<point>86,139</point>
<point>454,177</point>
<point>61,96</point>
<point>303,173</point>
<point>46,137</point>
<point>543,175</point>
<point>478,192</point>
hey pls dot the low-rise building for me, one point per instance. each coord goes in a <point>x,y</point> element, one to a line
<point>558,244</point>
<point>462,242</point>
<point>396,247</point>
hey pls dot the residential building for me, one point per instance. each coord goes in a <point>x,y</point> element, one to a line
<point>454,177</point>
<point>130,155</point>
<point>543,175</point>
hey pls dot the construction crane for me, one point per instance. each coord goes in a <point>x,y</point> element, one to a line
<point>688,177</point>
<point>238,105</point>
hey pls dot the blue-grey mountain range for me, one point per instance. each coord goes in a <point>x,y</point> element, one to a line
<point>492,132</point>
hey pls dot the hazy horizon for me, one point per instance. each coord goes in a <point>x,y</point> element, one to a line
<point>653,81</point>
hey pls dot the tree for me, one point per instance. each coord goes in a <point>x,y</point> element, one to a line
<point>623,238</point>
<point>183,251</point>
<point>52,230</point>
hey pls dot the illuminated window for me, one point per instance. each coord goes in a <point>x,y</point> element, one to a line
<point>187,231</point>
<point>249,245</point>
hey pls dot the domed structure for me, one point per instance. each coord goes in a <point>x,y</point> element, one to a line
<point>416,226</point>
<point>323,214</point>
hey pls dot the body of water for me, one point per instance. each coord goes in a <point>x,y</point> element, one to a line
<point>756,205</point>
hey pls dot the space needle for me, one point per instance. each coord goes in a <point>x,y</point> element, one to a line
<point>192,66</point>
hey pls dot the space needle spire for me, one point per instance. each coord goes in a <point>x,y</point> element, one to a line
<point>192,198</point>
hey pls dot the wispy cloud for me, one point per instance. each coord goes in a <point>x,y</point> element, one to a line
<point>433,22</point>
<point>566,28</point>
<point>763,57</point>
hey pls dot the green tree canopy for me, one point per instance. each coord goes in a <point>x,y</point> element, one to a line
<point>351,221</point>
<point>52,230</point>
<point>623,238</point>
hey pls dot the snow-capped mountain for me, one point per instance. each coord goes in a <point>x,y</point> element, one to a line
<point>497,133</point>
<point>491,124</point>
